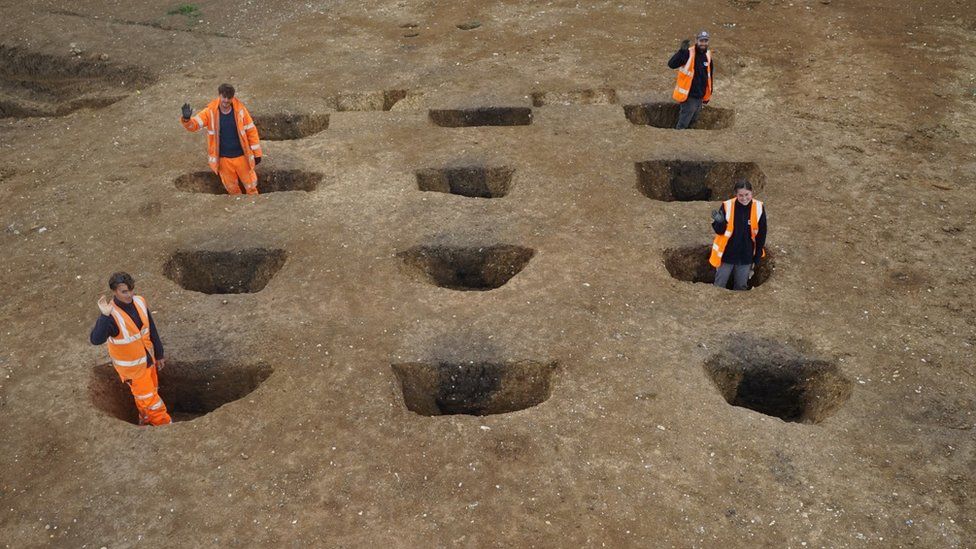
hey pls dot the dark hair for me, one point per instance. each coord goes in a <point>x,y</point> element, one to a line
<point>121,278</point>
<point>742,184</point>
<point>226,90</point>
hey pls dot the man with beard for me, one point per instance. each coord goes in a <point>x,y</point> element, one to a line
<point>694,85</point>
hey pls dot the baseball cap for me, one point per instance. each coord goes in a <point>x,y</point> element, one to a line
<point>703,35</point>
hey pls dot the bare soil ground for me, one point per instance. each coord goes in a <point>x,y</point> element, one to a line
<point>439,334</point>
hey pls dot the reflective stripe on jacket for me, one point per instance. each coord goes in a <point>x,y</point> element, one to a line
<point>133,346</point>
<point>209,120</point>
<point>721,240</point>
<point>686,74</point>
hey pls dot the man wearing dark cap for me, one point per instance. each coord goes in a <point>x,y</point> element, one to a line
<point>694,85</point>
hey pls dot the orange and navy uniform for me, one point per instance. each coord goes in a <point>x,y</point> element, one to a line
<point>741,238</point>
<point>695,74</point>
<point>231,169</point>
<point>134,346</point>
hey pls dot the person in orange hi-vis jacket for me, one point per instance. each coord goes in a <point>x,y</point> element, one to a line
<point>134,345</point>
<point>693,87</point>
<point>233,146</point>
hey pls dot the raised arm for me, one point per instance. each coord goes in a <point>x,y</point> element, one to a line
<point>680,57</point>
<point>194,122</point>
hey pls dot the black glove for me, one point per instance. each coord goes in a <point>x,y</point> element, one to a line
<point>257,160</point>
<point>718,216</point>
<point>685,44</point>
<point>187,111</point>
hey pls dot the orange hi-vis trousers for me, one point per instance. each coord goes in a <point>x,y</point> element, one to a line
<point>237,169</point>
<point>145,391</point>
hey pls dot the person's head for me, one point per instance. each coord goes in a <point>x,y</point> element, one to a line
<point>743,192</point>
<point>226,93</point>
<point>702,40</point>
<point>122,286</point>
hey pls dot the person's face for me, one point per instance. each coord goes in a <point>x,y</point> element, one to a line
<point>702,44</point>
<point>123,293</point>
<point>744,196</point>
<point>225,103</point>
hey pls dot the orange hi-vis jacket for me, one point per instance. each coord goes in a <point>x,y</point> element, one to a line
<point>130,349</point>
<point>686,74</point>
<point>721,240</point>
<point>209,119</point>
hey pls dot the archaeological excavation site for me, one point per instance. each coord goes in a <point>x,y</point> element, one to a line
<point>475,297</point>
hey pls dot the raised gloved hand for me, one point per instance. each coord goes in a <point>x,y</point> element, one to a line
<point>257,160</point>
<point>718,216</point>
<point>685,44</point>
<point>187,111</point>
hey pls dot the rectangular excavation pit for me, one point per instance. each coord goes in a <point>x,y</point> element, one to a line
<point>597,96</point>
<point>368,101</point>
<point>777,380</point>
<point>665,115</point>
<point>270,180</point>
<point>38,84</point>
<point>224,272</point>
<point>474,388</point>
<point>287,126</point>
<point>471,181</point>
<point>686,180</point>
<point>467,268</point>
<point>690,264</point>
<point>189,389</point>
<point>481,116</point>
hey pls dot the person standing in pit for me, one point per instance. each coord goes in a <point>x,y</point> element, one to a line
<point>693,88</point>
<point>134,345</point>
<point>233,145</point>
<point>740,238</point>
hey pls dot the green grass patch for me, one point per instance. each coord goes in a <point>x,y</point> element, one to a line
<point>188,10</point>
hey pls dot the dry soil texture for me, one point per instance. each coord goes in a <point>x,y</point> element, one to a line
<point>455,323</point>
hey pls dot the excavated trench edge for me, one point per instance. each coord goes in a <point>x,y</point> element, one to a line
<point>224,272</point>
<point>470,181</point>
<point>189,389</point>
<point>269,181</point>
<point>474,387</point>
<point>665,115</point>
<point>467,268</point>
<point>481,116</point>
<point>688,180</point>
<point>690,264</point>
